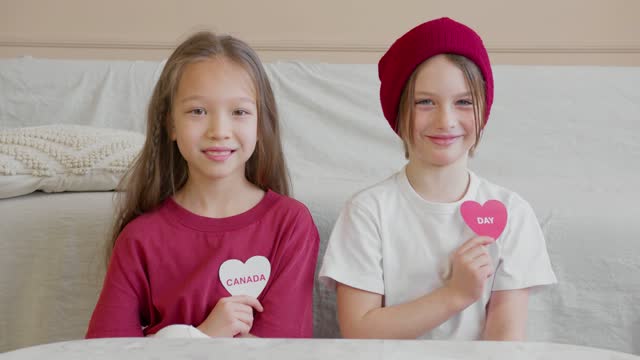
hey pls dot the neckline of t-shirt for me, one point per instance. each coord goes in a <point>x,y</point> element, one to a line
<point>203,223</point>
<point>436,207</point>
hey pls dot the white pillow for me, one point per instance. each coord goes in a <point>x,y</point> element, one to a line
<point>56,158</point>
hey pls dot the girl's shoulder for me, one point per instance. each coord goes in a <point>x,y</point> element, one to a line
<point>287,204</point>
<point>150,221</point>
<point>379,191</point>
<point>288,212</point>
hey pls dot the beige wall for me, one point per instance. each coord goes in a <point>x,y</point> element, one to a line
<point>515,32</point>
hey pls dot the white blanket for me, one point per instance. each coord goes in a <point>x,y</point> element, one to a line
<point>565,138</point>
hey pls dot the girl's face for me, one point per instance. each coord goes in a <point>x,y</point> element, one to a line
<point>214,119</point>
<point>443,127</point>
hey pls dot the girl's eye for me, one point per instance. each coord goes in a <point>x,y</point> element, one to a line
<point>465,102</point>
<point>198,111</point>
<point>240,112</point>
<point>424,102</point>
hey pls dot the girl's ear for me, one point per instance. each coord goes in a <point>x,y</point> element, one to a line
<point>171,128</point>
<point>258,134</point>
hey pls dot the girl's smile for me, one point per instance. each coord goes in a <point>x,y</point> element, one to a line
<point>218,153</point>
<point>444,140</point>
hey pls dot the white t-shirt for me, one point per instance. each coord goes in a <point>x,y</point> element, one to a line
<point>390,241</point>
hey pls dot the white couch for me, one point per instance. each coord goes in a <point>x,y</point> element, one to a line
<point>566,138</point>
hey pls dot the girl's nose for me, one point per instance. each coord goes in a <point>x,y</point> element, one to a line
<point>219,126</point>
<point>446,118</point>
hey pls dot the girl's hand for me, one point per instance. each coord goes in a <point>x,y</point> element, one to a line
<point>471,266</point>
<point>231,316</point>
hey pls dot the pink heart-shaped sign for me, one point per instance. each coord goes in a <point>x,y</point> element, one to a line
<point>489,219</point>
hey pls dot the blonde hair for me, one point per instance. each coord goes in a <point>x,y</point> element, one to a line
<point>475,82</point>
<point>160,170</point>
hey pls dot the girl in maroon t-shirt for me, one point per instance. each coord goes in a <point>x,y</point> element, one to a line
<point>206,240</point>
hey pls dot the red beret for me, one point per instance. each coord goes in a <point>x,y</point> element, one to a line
<point>440,36</point>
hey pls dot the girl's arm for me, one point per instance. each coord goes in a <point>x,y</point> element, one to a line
<point>120,307</point>
<point>525,263</point>
<point>247,335</point>
<point>232,316</point>
<point>288,299</point>
<point>507,315</point>
<point>361,315</point>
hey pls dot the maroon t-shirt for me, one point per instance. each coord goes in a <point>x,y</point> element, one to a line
<point>164,269</point>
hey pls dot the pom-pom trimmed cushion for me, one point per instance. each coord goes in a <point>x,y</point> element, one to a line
<point>56,158</point>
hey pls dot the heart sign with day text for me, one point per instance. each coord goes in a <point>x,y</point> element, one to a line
<point>489,219</point>
<point>247,278</point>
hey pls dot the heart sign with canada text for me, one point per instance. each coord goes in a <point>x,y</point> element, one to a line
<point>489,219</point>
<point>247,278</point>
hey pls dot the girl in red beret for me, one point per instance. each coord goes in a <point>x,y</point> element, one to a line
<point>436,251</point>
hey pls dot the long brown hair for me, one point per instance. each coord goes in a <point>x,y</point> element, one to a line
<point>160,170</point>
<point>475,82</point>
